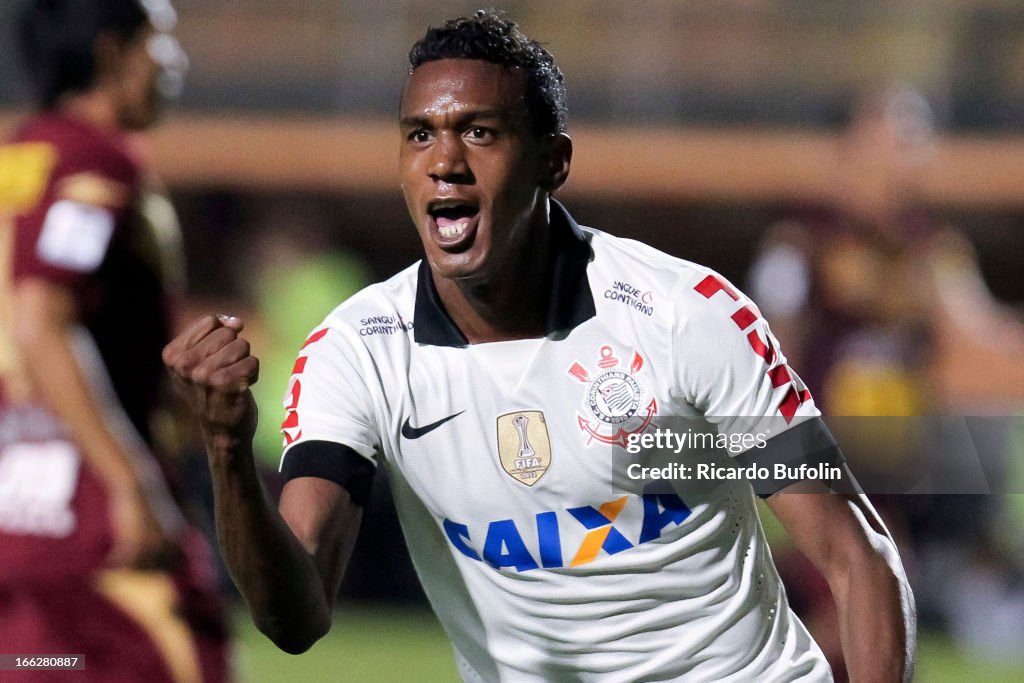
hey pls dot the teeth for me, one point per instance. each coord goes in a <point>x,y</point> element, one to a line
<point>453,230</point>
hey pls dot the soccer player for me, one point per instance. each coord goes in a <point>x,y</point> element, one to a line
<point>96,559</point>
<point>492,380</point>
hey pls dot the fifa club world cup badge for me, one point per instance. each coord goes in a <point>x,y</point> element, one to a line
<point>523,445</point>
<point>614,399</point>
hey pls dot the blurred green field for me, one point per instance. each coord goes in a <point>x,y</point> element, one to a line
<point>384,644</point>
<point>366,644</point>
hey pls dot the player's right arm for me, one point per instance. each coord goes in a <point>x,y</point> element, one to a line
<point>287,562</point>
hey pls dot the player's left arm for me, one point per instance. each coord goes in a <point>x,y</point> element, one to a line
<point>736,374</point>
<point>846,540</point>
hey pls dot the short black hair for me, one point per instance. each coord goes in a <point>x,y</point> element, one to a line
<point>58,39</point>
<point>490,36</point>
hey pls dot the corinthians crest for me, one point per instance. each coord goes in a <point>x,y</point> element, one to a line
<point>523,445</point>
<point>614,398</point>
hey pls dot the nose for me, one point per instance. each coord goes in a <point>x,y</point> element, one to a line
<point>448,161</point>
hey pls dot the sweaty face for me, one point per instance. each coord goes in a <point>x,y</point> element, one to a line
<point>471,166</point>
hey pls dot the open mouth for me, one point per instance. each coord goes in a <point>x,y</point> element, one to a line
<point>455,221</point>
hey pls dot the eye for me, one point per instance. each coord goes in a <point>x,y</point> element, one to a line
<point>480,134</point>
<point>419,135</point>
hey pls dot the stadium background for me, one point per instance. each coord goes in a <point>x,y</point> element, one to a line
<point>695,124</point>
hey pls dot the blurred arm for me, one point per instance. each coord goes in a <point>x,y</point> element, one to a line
<point>45,321</point>
<point>978,340</point>
<point>846,540</point>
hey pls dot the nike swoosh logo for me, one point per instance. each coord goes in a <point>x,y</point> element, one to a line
<point>410,432</point>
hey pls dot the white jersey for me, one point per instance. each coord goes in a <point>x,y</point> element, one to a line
<point>498,455</point>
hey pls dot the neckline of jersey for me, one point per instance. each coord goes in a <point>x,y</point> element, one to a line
<point>570,304</point>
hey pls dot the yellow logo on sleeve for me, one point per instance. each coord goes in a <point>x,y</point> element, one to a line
<point>24,171</point>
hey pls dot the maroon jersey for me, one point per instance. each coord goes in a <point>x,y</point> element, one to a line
<point>76,210</point>
<point>91,230</point>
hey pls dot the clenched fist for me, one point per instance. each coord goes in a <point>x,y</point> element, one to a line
<point>211,365</point>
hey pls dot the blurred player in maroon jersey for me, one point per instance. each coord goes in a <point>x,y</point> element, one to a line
<point>885,309</point>
<point>97,559</point>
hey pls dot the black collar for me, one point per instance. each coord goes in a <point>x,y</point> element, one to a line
<point>571,302</point>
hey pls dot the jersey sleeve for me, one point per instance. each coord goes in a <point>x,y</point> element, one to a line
<point>80,200</point>
<point>730,368</point>
<point>729,365</point>
<point>329,427</point>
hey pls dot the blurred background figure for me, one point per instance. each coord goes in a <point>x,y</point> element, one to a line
<point>98,559</point>
<point>843,282</point>
<point>883,307</point>
<point>883,303</point>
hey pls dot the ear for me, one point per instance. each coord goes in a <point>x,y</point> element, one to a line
<point>558,159</point>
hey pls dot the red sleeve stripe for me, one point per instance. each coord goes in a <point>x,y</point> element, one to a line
<point>766,351</point>
<point>315,337</point>
<point>711,284</point>
<point>744,318</point>
<point>779,375</point>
